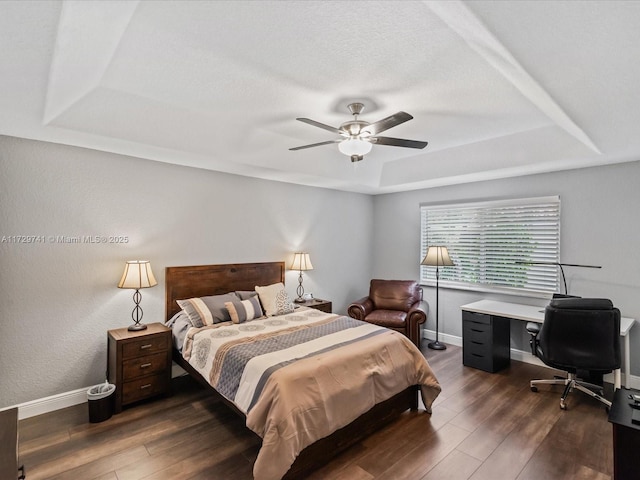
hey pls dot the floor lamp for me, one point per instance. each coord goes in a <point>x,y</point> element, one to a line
<point>437,256</point>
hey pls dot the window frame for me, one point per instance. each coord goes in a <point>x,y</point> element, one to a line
<point>493,220</point>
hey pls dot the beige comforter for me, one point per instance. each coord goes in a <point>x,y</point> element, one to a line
<point>320,392</point>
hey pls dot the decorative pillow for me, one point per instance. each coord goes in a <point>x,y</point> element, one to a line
<point>244,310</point>
<point>246,294</point>
<point>207,310</point>
<point>275,300</point>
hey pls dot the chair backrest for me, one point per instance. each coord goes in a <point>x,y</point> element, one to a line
<point>581,333</point>
<point>394,294</point>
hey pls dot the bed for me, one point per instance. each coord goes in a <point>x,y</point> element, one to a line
<point>371,375</point>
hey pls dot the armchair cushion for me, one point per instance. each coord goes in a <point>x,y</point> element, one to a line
<point>388,318</point>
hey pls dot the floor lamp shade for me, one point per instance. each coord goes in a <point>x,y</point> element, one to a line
<point>301,262</point>
<point>137,274</point>
<point>437,256</point>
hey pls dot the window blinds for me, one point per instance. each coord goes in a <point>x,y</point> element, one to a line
<point>492,243</point>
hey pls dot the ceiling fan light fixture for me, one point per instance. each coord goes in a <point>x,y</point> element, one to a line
<point>354,146</point>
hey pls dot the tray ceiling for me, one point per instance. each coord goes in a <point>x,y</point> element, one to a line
<point>497,88</point>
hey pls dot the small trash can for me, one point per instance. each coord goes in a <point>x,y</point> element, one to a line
<point>101,402</point>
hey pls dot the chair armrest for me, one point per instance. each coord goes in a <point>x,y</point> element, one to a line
<point>360,308</point>
<point>416,316</point>
<point>533,329</point>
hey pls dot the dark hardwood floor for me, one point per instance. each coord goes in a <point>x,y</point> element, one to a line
<point>483,426</point>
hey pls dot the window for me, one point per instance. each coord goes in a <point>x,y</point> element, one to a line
<point>495,245</point>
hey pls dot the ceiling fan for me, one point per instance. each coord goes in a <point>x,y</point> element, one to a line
<point>358,136</point>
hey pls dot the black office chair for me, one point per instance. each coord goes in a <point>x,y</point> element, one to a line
<point>579,334</point>
<point>534,328</point>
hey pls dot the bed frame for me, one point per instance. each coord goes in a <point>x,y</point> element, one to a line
<point>203,280</point>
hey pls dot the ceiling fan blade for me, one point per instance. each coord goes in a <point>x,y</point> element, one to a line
<point>317,144</point>
<point>387,123</point>
<point>321,125</point>
<point>398,142</point>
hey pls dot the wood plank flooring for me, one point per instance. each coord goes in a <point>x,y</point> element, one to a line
<point>483,426</point>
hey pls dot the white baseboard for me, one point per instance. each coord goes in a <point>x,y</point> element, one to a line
<point>66,399</point>
<point>52,403</point>
<point>633,381</point>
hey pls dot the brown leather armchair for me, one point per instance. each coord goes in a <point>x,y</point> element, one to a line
<point>395,304</point>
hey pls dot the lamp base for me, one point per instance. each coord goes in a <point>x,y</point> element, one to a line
<point>299,300</point>
<point>136,327</point>
<point>437,345</point>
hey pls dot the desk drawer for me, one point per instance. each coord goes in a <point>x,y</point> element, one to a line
<point>476,317</point>
<point>481,360</point>
<point>477,332</point>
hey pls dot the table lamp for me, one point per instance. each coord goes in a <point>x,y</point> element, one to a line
<point>137,274</point>
<point>301,262</point>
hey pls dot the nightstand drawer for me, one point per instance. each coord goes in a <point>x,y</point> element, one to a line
<point>147,365</point>
<point>144,387</point>
<point>145,346</point>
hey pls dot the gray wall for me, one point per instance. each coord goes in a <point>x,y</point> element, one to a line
<point>58,300</point>
<point>599,226</point>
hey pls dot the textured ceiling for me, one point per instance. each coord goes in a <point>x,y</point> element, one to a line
<point>497,88</point>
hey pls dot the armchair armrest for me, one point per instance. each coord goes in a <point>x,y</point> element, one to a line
<point>416,316</point>
<point>418,311</point>
<point>360,308</point>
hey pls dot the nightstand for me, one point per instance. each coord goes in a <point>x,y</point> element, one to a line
<point>322,305</point>
<point>139,363</point>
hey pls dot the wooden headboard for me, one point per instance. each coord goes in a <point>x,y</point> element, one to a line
<point>205,280</point>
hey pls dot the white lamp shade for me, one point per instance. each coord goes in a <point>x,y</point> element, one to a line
<point>437,256</point>
<point>301,262</point>
<point>137,274</point>
<point>354,146</point>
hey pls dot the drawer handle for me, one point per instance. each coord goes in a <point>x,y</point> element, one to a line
<point>142,387</point>
<point>142,347</point>
<point>476,355</point>
<point>477,343</point>
<point>478,331</point>
<point>145,365</point>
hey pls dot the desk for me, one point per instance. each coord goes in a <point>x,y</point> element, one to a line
<point>626,437</point>
<point>529,313</point>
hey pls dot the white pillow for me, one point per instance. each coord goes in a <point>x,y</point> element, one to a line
<point>274,299</point>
